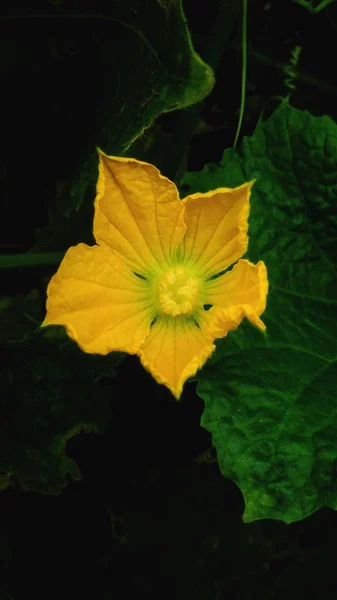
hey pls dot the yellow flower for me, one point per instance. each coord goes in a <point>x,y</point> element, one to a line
<point>146,287</point>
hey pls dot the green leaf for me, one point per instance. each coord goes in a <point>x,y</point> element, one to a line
<point>270,401</point>
<point>157,71</point>
<point>49,391</point>
<point>144,64</point>
<point>20,315</point>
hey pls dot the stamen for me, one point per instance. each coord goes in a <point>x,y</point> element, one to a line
<point>178,291</point>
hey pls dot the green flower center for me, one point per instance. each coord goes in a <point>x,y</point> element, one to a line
<point>178,291</point>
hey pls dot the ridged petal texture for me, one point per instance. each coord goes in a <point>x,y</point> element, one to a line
<point>108,296</point>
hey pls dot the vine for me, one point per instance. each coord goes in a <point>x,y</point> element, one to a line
<point>291,70</point>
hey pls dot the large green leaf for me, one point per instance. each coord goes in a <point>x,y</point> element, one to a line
<point>153,67</point>
<point>271,401</point>
<point>108,70</point>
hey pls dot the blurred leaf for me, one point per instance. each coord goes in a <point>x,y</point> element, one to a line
<point>4,482</point>
<point>20,315</point>
<point>270,401</point>
<point>48,394</point>
<point>109,69</point>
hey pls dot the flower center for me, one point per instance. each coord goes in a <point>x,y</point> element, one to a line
<point>178,291</point>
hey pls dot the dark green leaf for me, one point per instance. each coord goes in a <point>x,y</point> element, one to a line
<point>108,71</point>
<point>270,401</point>
<point>20,315</point>
<point>48,393</point>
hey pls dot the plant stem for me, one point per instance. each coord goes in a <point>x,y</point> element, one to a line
<point>243,69</point>
<point>30,259</point>
<point>300,75</point>
<point>218,42</point>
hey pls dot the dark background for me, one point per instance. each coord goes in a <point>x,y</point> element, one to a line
<point>149,518</point>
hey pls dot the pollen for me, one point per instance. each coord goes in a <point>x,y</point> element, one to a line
<point>178,291</point>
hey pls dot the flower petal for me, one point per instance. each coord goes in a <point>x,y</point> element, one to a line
<point>240,293</point>
<point>175,349</point>
<point>217,224</point>
<point>138,213</point>
<point>100,301</point>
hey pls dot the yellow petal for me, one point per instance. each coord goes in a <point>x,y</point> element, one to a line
<point>100,301</point>
<point>175,349</point>
<point>138,213</point>
<point>240,293</point>
<point>217,224</point>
